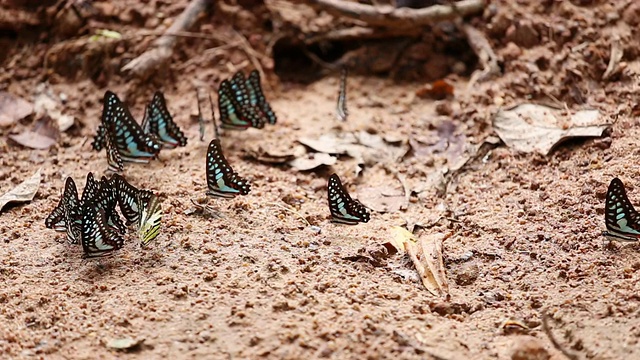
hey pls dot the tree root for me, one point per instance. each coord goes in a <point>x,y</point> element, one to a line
<point>391,17</point>
<point>145,64</point>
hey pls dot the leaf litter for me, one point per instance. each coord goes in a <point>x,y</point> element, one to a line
<point>24,192</point>
<point>537,128</point>
<point>43,135</point>
<point>13,108</point>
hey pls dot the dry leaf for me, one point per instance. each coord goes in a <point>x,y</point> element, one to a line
<point>24,192</point>
<point>426,255</point>
<point>44,134</point>
<point>46,105</point>
<point>312,161</point>
<point>13,108</point>
<point>125,344</point>
<point>382,198</point>
<point>275,156</point>
<point>537,128</point>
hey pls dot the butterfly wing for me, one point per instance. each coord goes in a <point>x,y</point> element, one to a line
<point>341,110</point>
<point>622,220</point>
<point>344,209</point>
<point>231,116</point>
<point>91,189</point>
<point>99,141</point>
<point>57,218</point>
<point>257,99</point>
<point>150,218</point>
<point>242,101</point>
<point>113,157</point>
<point>161,124</point>
<point>222,181</point>
<point>107,200</point>
<point>125,133</point>
<point>98,238</point>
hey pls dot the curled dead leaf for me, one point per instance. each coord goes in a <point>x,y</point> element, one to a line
<point>43,135</point>
<point>13,108</point>
<point>312,160</point>
<point>537,128</point>
<point>24,192</point>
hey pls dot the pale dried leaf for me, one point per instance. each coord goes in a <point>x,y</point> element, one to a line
<point>537,128</point>
<point>382,198</point>
<point>312,161</point>
<point>44,134</point>
<point>13,108</point>
<point>125,344</point>
<point>24,192</point>
<point>427,258</point>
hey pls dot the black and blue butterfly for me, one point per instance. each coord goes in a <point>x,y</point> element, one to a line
<point>242,103</point>
<point>621,219</point>
<point>158,121</point>
<point>222,181</point>
<point>98,237</point>
<point>344,209</point>
<point>122,136</point>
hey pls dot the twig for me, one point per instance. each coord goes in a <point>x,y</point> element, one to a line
<point>291,211</point>
<point>359,33</point>
<point>554,342</point>
<point>253,57</point>
<point>483,50</point>
<point>614,58</point>
<point>389,16</point>
<point>150,60</point>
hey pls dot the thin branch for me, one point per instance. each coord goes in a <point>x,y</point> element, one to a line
<point>389,16</point>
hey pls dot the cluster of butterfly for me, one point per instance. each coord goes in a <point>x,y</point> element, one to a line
<point>242,104</point>
<point>93,220</point>
<point>125,139</point>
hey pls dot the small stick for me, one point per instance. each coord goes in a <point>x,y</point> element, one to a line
<point>291,211</point>
<point>213,119</point>
<point>341,108</point>
<point>200,117</point>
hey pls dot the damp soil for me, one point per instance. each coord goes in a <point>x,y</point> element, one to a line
<point>269,276</point>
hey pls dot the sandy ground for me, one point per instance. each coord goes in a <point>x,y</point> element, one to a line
<point>259,282</point>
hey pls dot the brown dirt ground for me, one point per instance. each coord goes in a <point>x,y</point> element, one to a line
<point>258,283</point>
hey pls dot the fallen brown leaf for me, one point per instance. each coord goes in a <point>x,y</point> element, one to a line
<point>312,161</point>
<point>426,254</point>
<point>24,192</point>
<point>44,134</point>
<point>13,108</point>
<point>537,128</point>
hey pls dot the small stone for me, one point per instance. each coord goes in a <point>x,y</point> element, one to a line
<point>529,348</point>
<point>467,274</point>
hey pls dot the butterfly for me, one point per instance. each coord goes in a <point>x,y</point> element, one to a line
<point>341,109</point>
<point>257,99</point>
<point>158,121</point>
<point>103,194</point>
<point>344,209</point>
<point>621,219</point>
<point>57,218</point>
<point>222,181</point>
<point>150,219</point>
<point>121,132</point>
<point>98,237</point>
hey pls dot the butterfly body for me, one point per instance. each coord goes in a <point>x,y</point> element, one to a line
<point>344,209</point>
<point>222,181</point>
<point>621,219</point>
